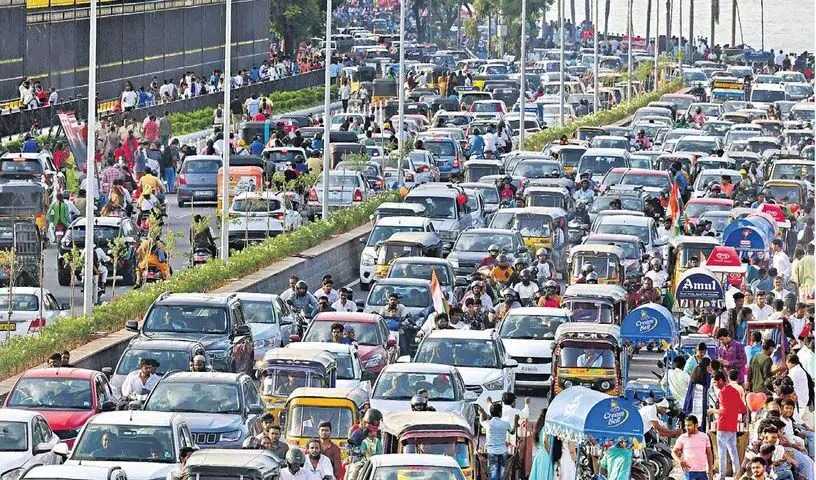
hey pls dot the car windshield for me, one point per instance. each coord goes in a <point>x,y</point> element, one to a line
<point>201,166</point>
<point>696,209</point>
<point>418,472</point>
<point>52,393</point>
<point>656,181</point>
<point>698,252</point>
<point>384,232</point>
<point>185,319</point>
<point>533,225</point>
<point>458,352</point>
<point>790,171</point>
<point>256,205</point>
<point>413,296</point>
<point>530,327</point>
<point>716,128</point>
<point>533,169</point>
<point>601,142</point>
<point>458,450</point>
<point>803,114</point>
<point>627,228</point>
<point>422,271</point>
<point>627,203</point>
<point>478,242</point>
<point>365,333</point>
<point>304,421</point>
<point>168,360</point>
<point>486,107</point>
<point>718,222</point>
<point>767,96</point>
<point>475,172</point>
<point>569,157</point>
<point>692,145</point>
<point>195,397</point>
<point>577,357</point>
<point>590,311</point>
<point>404,385</point>
<point>20,302</point>
<point>283,381</point>
<point>440,149</point>
<point>13,437</point>
<point>125,443</point>
<point>339,181</point>
<point>345,366</point>
<point>694,77</point>
<point>435,207</point>
<point>27,167</point>
<point>630,249</point>
<point>545,199</point>
<point>260,312</point>
<point>103,235</point>
<point>600,164</point>
<point>489,194</point>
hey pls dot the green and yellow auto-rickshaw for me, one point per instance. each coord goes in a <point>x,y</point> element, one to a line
<point>284,369</point>
<point>591,356</point>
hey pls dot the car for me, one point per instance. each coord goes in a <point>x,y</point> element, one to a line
<point>221,409</point>
<point>27,441</point>
<point>106,230</point>
<point>490,196</point>
<point>346,188</point>
<point>765,94</point>
<point>705,144</point>
<point>233,464</point>
<point>713,175</point>
<point>350,372</point>
<point>630,200</point>
<point>599,161</point>
<point>789,76</point>
<point>490,109</point>
<point>376,345</point>
<point>270,318</point>
<point>27,315</point>
<point>610,141</point>
<point>442,205</point>
<point>197,179</point>
<point>410,172</point>
<point>798,90</point>
<point>338,119</point>
<point>422,268</point>
<point>639,226</point>
<point>66,397</point>
<point>172,355</point>
<point>415,296</point>
<point>143,444</point>
<point>383,230</point>
<point>418,466</point>
<point>652,181</point>
<point>696,206</point>
<point>216,320</point>
<point>449,155</point>
<point>399,382</point>
<point>372,171</point>
<point>73,472</point>
<point>537,169</point>
<point>710,110</point>
<point>803,112</point>
<point>717,128</point>
<point>471,248</point>
<point>257,216</point>
<point>425,166</point>
<point>528,334</point>
<point>37,166</point>
<point>551,114</point>
<point>479,355</point>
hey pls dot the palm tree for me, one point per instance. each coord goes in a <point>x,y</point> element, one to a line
<point>715,19</point>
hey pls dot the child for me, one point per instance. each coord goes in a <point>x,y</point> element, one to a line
<point>371,444</point>
<point>756,344</point>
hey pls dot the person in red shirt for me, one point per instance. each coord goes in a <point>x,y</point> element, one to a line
<point>731,407</point>
<point>151,131</point>
<point>726,186</point>
<point>60,155</point>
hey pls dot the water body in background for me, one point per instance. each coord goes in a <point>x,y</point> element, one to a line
<point>788,23</point>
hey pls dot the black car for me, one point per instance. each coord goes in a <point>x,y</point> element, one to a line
<point>215,320</point>
<point>171,355</point>
<point>106,229</point>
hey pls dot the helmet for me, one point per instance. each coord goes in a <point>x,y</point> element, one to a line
<point>502,260</point>
<point>526,274</point>
<point>587,268</point>
<point>519,262</point>
<point>476,131</point>
<point>550,284</point>
<point>373,416</point>
<point>641,132</point>
<point>301,285</point>
<point>592,277</point>
<point>542,251</point>
<point>580,206</point>
<point>714,186</point>
<point>476,284</point>
<point>419,402</point>
<point>493,248</point>
<point>508,292</point>
<point>295,456</point>
<point>655,262</point>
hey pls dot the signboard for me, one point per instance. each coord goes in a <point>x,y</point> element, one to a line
<point>699,284</point>
<point>727,85</point>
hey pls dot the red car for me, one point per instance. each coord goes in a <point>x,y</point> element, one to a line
<point>66,397</point>
<point>696,206</point>
<point>376,345</point>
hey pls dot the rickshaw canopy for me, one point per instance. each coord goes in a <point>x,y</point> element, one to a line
<point>725,260</point>
<point>649,322</point>
<point>746,236</point>
<point>775,211</point>
<point>579,413</point>
<point>613,293</point>
<point>699,284</point>
<point>400,423</point>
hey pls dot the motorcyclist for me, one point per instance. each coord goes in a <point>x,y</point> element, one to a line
<point>580,214</point>
<point>492,253</point>
<point>592,278</point>
<point>714,191</point>
<point>587,174</point>
<point>303,300</point>
<point>509,302</point>
<point>526,288</point>
<point>549,295</point>
<point>642,140</point>
<point>584,194</point>
<point>544,267</point>
<point>419,403</point>
<point>507,191</point>
<point>477,144</point>
<point>151,254</point>
<point>518,266</point>
<point>295,459</point>
<point>393,308</point>
<point>477,291</point>
<point>586,269</point>
<point>698,117</point>
<point>502,271</point>
<point>201,236</point>
<point>656,273</point>
<point>648,293</point>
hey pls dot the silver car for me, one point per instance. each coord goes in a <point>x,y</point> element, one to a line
<point>346,188</point>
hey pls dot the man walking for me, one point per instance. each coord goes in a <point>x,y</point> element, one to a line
<point>728,413</point>
<point>693,452</point>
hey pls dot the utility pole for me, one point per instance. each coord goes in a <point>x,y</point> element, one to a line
<point>225,178</point>
<point>401,91</point>
<point>595,25</point>
<point>657,45</point>
<point>629,51</point>
<point>523,89</point>
<point>561,79</point>
<point>715,12</point>
<point>324,211</point>
<point>89,296</point>
<point>691,33</point>
<point>733,22</point>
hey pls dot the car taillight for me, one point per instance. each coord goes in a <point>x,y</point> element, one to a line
<point>358,196</point>
<point>279,215</point>
<point>313,195</point>
<point>456,162</point>
<point>182,180</point>
<point>36,324</point>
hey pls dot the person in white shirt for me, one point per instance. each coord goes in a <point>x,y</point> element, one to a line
<point>343,304</point>
<point>317,463</point>
<point>509,414</point>
<point>798,320</point>
<point>129,98</point>
<point>94,187</point>
<point>293,468</point>
<point>526,288</point>
<point>144,378</point>
<point>800,383</point>
<point>779,292</point>
<point>780,259</point>
<point>184,454</point>
<point>496,432</point>
<point>761,309</point>
<point>489,140</point>
<point>53,97</point>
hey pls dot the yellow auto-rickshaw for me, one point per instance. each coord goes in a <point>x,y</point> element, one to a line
<point>308,407</point>
<point>283,370</point>
<point>433,433</point>
<point>543,227</point>
<point>609,262</point>
<point>591,356</point>
<point>405,244</point>
<point>358,75</point>
<point>241,179</point>
<point>683,250</point>
<point>384,89</point>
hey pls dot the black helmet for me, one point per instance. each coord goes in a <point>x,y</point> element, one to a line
<point>419,403</point>
<point>526,274</point>
<point>587,267</point>
<point>592,277</point>
<point>295,457</point>
<point>373,416</point>
<point>502,260</point>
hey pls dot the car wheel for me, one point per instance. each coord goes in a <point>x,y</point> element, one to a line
<point>181,203</point>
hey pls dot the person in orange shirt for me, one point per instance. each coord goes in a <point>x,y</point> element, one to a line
<point>726,186</point>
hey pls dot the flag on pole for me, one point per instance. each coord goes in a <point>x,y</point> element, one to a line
<point>438,296</point>
<point>676,207</point>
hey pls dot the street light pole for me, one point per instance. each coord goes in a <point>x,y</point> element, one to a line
<point>401,91</point>
<point>657,44</point>
<point>225,178</point>
<point>523,89</point>
<point>596,93</point>
<point>324,211</point>
<point>561,80</point>
<point>90,162</point>
<point>629,51</point>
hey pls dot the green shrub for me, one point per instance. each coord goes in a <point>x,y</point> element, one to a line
<point>20,353</point>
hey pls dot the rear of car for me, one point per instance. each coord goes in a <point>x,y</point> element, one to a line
<point>25,315</point>
<point>449,156</point>
<point>198,179</point>
<point>345,190</point>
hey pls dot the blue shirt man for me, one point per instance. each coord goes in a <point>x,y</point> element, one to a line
<point>477,144</point>
<point>30,145</point>
<point>256,147</point>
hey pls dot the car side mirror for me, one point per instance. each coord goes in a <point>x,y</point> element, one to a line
<point>243,330</point>
<point>510,363</point>
<point>660,364</point>
<point>404,359</point>
<point>360,303</point>
<point>367,376</point>
<point>471,396</point>
<point>65,306</point>
<point>294,338</point>
<point>132,326</point>
<point>44,447</point>
<point>364,240</point>
<point>108,406</point>
<point>61,449</point>
<point>392,342</point>
<point>108,371</point>
<point>461,281</point>
<point>256,409</point>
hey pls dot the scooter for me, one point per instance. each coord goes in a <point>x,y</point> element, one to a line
<point>201,256</point>
<point>576,232</point>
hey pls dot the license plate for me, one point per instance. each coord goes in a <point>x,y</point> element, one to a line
<point>528,368</point>
<point>202,193</point>
<point>8,326</point>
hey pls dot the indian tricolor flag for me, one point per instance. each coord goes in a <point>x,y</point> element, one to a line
<point>439,301</point>
<point>676,207</point>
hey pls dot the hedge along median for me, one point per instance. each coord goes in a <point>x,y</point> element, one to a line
<point>20,353</point>
<point>537,141</point>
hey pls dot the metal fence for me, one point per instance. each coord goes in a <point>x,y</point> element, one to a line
<point>21,121</point>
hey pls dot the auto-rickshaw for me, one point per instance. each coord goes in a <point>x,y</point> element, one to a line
<point>682,250</point>
<point>283,370</point>
<point>444,103</point>
<point>771,329</point>
<point>542,227</point>
<point>568,156</point>
<point>651,331</point>
<point>384,89</point>
<point>395,209</point>
<point>609,262</point>
<point>434,433</point>
<point>689,342</point>
<point>358,75</point>
<point>665,161</point>
<point>307,407</point>
<point>554,197</point>
<point>478,168</point>
<point>590,303</point>
<point>341,151</point>
<point>241,179</point>
<point>591,356</point>
<point>795,190</point>
<point>405,244</point>
<point>585,134</point>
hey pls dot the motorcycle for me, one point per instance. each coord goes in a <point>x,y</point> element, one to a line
<point>405,330</point>
<point>201,256</point>
<point>576,232</point>
<point>152,275</point>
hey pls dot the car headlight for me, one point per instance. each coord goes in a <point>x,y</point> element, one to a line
<point>368,260</point>
<point>13,474</point>
<point>232,436</point>
<point>605,385</point>
<point>567,383</point>
<point>220,355</point>
<point>373,361</point>
<point>497,384</point>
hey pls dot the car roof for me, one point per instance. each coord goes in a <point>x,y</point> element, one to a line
<point>491,231</point>
<point>98,221</point>
<point>618,152</point>
<point>69,373</point>
<point>413,459</point>
<point>420,261</point>
<point>23,291</point>
<point>202,377</point>
<point>406,221</point>
<point>194,298</point>
<point>330,347</point>
<point>626,219</point>
<point>412,282</point>
<point>463,334</point>
<point>419,367</point>
<point>540,311</point>
<point>346,317</point>
<point>145,343</point>
<point>134,417</point>
<point>17,415</point>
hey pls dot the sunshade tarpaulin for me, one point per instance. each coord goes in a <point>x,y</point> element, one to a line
<point>649,322</point>
<point>579,413</point>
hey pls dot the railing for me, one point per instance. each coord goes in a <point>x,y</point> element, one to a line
<point>20,121</point>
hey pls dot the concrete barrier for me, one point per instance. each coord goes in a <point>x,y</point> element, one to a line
<point>338,257</point>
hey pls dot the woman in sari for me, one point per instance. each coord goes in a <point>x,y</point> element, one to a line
<point>547,452</point>
<point>696,401</point>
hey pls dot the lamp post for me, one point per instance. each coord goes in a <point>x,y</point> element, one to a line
<point>401,91</point>
<point>324,211</point>
<point>657,44</point>
<point>225,178</point>
<point>629,51</point>
<point>561,80</point>
<point>90,162</point>
<point>523,78</point>
<point>596,93</point>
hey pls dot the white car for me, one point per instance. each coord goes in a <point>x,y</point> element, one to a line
<point>74,472</point>
<point>487,369</point>
<point>350,373</point>
<point>254,216</point>
<point>27,441</point>
<point>639,226</point>
<point>528,334</point>
<point>144,444</point>
<point>410,176</point>
<point>383,231</point>
<point>338,118</point>
<point>26,314</point>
